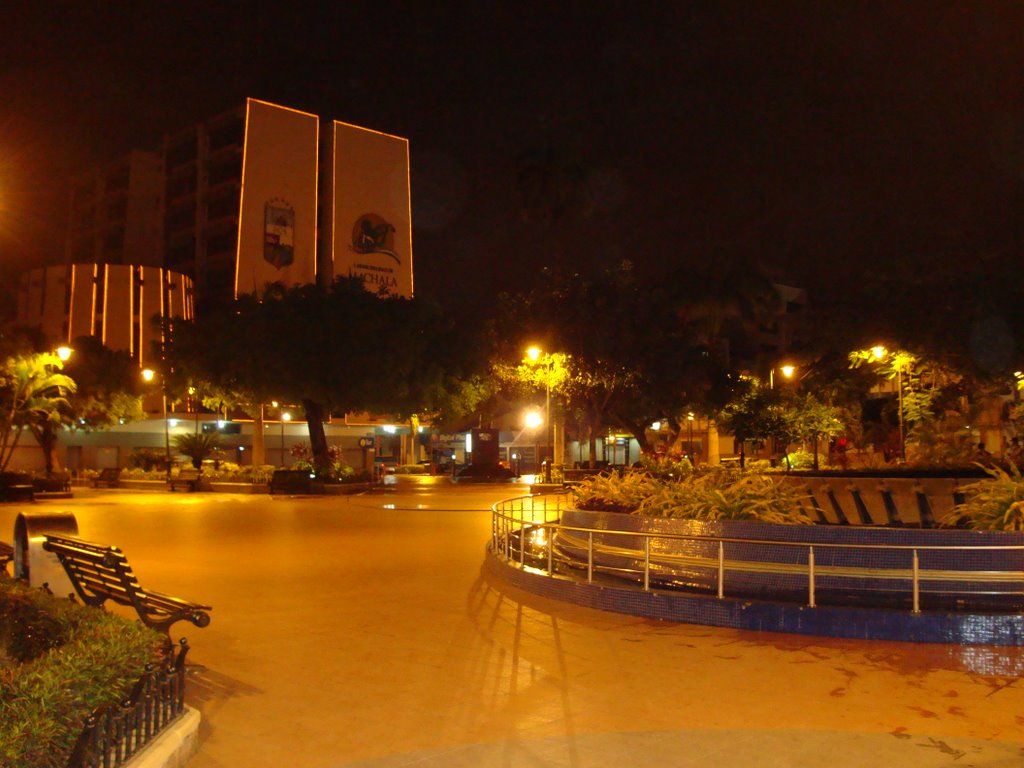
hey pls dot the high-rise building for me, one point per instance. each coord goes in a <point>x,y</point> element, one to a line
<point>256,195</point>
<point>113,213</point>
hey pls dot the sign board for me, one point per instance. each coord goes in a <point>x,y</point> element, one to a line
<point>485,446</point>
<point>277,218</point>
<point>372,219</point>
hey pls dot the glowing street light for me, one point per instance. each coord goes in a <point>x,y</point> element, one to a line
<point>535,355</point>
<point>285,418</point>
<point>148,374</point>
<point>533,419</point>
<point>787,372</point>
<point>880,353</point>
<point>64,353</point>
<point>689,427</point>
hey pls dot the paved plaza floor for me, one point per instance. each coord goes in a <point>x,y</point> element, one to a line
<point>359,631</point>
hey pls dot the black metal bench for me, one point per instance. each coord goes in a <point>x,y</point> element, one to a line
<point>187,478</point>
<point>102,573</point>
<point>109,477</point>
<point>291,481</point>
<point>16,486</point>
<point>6,555</point>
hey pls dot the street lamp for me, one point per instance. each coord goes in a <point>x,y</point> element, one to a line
<point>532,420</point>
<point>880,353</point>
<point>787,372</point>
<point>64,353</point>
<point>689,427</point>
<point>534,354</point>
<point>148,374</point>
<point>285,417</point>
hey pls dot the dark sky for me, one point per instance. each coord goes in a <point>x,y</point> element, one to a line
<point>823,139</point>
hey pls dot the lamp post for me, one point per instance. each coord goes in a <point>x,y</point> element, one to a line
<point>532,420</point>
<point>148,374</point>
<point>787,372</point>
<point>689,438</point>
<point>880,353</point>
<point>534,353</point>
<point>285,417</point>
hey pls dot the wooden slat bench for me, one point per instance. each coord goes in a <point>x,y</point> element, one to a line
<point>187,478</point>
<point>101,573</point>
<point>109,477</point>
<point>6,555</point>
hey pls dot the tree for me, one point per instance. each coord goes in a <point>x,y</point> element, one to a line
<point>335,350</point>
<point>197,446</point>
<point>33,393</point>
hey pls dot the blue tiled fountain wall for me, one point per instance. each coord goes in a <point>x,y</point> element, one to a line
<point>777,602</point>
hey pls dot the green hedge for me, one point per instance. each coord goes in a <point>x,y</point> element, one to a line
<point>65,660</point>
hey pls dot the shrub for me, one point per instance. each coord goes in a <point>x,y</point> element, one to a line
<point>664,468</point>
<point>71,659</point>
<point>996,504</point>
<point>707,495</point>
<point>197,446</point>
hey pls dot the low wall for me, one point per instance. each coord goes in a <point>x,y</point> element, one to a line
<point>920,501</point>
<point>761,565</point>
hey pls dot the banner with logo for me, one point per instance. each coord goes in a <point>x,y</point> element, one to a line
<point>372,217</point>
<point>277,220</point>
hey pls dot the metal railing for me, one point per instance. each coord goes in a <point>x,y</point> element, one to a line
<point>113,733</point>
<point>534,523</point>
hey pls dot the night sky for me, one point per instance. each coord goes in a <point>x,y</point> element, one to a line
<point>823,140</point>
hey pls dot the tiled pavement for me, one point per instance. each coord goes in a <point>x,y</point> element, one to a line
<point>360,632</point>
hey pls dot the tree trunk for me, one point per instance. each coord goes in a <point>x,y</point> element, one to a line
<point>47,439</point>
<point>317,438</point>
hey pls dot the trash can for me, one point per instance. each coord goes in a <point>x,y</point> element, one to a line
<point>33,564</point>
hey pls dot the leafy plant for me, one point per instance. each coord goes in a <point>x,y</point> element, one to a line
<point>664,468</point>
<point>197,446</point>
<point>70,659</point>
<point>996,504</point>
<point>708,495</point>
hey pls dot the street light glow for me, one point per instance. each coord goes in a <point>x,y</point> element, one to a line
<point>533,419</point>
<point>64,353</point>
<point>534,353</point>
<point>788,371</point>
<point>878,351</point>
<point>148,374</point>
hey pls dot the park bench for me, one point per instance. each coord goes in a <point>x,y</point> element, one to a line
<point>6,555</point>
<point>101,573</point>
<point>291,481</point>
<point>187,477</point>
<point>16,486</point>
<point>109,478</point>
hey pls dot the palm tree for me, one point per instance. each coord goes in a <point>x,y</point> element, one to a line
<point>197,446</point>
<point>32,394</point>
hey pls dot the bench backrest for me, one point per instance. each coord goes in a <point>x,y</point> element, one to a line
<point>97,573</point>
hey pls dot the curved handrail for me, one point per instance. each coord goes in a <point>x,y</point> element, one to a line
<point>539,516</point>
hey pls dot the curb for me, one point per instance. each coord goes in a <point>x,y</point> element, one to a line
<point>173,747</point>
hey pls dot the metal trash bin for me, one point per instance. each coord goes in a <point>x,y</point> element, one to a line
<point>33,564</point>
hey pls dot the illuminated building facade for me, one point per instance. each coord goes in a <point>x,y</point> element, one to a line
<point>116,303</point>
